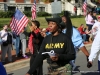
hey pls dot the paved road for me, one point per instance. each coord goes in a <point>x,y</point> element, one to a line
<point>81,66</point>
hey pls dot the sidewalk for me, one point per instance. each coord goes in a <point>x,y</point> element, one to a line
<point>22,62</point>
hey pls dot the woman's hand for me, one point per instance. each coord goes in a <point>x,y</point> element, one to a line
<point>54,58</point>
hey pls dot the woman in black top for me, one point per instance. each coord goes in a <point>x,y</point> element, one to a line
<point>35,43</point>
<point>61,45</point>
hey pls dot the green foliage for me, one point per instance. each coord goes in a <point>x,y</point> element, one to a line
<point>27,13</point>
<point>43,14</point>
<point>10,14</point>
<point>7,14</point>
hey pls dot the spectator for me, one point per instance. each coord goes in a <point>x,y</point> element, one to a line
<point>89,20</point>
<point>43,32</point>
<point>89,36</point>
<point>75,10</point>
<point>23,43</point>
<point>94,16</point>
<point>94,8</point>
<point>74,35</point>
<point>83,33</point>
<point>98,10</point>
<point>16,41</point>
<point>6,46</point>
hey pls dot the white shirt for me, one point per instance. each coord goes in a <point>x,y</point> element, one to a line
<point>95,28</point>
<point>88,19</point>
<point>3,35</point>
<point>95,47</point>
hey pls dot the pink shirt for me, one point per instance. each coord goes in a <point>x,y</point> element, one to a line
<point>88,19</point>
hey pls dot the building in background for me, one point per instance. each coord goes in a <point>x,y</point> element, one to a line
<point>25,5</point>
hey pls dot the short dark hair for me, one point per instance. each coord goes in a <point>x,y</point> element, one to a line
<point>37,23</point>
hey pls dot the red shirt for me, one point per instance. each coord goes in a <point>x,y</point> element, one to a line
<point>80,29</point>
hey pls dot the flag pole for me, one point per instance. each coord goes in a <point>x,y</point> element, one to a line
<point>16,6</point>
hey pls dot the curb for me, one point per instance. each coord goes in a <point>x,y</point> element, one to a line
<point>25,63</point>
<point>17,65</point>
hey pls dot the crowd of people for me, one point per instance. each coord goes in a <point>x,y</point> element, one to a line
<point>60,36</point>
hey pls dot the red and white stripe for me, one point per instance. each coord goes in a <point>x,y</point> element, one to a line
<point>17,26</point>
<point>34,11</point>
<point>84,13</point>
<point>84,6</point>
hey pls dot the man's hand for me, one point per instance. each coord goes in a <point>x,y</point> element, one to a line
<point>27,74</point>
<point>89,64</point>
<point>54,58</point>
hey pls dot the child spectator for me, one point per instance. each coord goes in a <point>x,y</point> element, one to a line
<point>83,34</point>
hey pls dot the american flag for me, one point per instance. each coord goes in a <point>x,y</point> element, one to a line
<point>33,9</point>
<point>18,22</point>
<point>84,7</point>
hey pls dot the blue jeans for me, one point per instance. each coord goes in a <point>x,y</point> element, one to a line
<point>14,43</point>
<point>84,37</point>
<point>17,45</point>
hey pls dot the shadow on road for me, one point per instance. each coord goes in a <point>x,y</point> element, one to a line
<point>11,74</point>
<point>90,73</point>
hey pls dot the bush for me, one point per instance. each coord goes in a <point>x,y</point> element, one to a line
<point>43,14</point>
<point>10,13</point>
<point>28,13</point>
<point>7,14</point>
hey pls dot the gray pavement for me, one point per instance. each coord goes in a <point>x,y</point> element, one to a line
<point>81,68</point>
<point>25,63</point>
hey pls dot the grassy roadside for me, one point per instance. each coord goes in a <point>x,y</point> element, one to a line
<point>75,21</point>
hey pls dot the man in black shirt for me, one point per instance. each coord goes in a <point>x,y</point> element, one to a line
<point>62,46</point>
<point>94,16</point>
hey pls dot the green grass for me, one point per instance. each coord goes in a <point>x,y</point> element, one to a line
<point>78,21</point>
<point>75,21</point>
